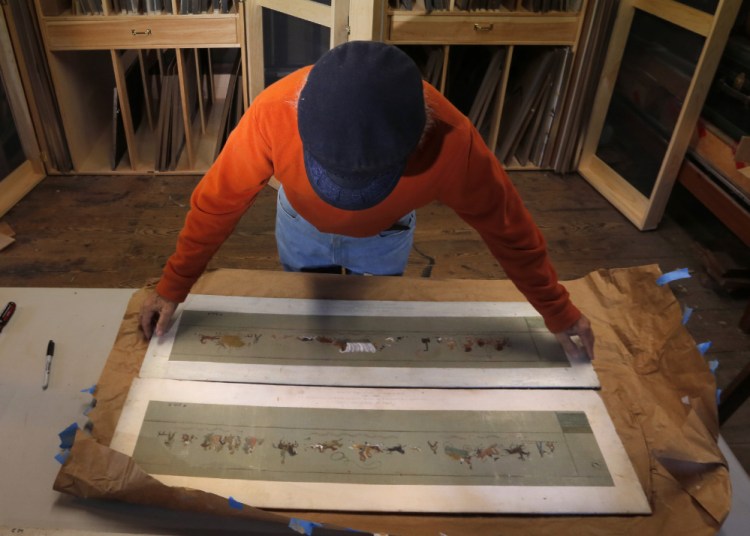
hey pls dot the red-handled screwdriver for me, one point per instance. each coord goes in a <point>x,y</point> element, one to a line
<point>7,313</point>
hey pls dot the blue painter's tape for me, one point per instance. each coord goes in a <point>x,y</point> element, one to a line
<point>686,314</point>
<point>89,390</point>
<point>62,456</point>
<point>674,275</point>
<point>68,435</point>
<point>91,406</point>
<point>302,526</point>
<point>237,505</point>
<point>703,347</point>
<point>713,365</point>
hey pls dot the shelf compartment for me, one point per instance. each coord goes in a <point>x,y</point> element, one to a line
<point>84,82</point>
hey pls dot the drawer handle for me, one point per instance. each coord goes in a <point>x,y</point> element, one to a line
<point>486,27</point>
<point>147,32</point>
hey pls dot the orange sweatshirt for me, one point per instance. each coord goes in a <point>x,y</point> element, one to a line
<point>452,165</point>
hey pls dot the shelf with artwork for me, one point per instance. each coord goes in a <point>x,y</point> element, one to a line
<point>145,86</point>
<point>515,68</point>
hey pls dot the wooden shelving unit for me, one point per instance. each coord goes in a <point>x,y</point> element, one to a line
<point>89,55</point>
<point>519,35</point>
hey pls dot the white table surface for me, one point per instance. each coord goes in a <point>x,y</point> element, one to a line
<point>83,323</point>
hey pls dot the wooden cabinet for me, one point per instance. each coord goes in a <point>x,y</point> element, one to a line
<point>505,65</point>
<point>118,74</point>
<point>145,86</point>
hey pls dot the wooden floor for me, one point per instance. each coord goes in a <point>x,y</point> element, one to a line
<point>118,232</point>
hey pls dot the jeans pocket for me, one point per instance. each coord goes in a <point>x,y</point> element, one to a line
<point>405,224</point>
<point>284,205</point>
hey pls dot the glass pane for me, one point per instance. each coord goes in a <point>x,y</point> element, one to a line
<point>290,43</point>
<point>656,69</point>
<point>708,6</point>
<point>11,152</point>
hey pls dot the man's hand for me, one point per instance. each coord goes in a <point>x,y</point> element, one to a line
<point>582,329</point>
<point>156,312</point>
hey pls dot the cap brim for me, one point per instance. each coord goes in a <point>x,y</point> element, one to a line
<point>347,193</point>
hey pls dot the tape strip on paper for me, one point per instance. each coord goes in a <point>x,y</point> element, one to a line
<point>62,456</point>
<point>686,314</point>
<point>681,273</point>
<point>303,527</point>
<point>68,435</point>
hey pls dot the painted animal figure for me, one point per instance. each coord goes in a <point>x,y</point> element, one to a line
<point>213,441</point>
<point>233,442</point>
<point>366,450</point>
<point>250,444</point>
<point>286,448</point>
<point>488,452</point>
<point>332,445</point>
<point>170,437</point>
<point>518,449</point>
<point>460,455</point>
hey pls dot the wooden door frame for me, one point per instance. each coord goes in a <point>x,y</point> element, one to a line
<point>335,17</point>
<point>646,212</point>
<point>23,179</point>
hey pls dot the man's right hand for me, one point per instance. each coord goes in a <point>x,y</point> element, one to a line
<point>156,313</point>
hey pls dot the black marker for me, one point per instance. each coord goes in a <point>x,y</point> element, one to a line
<point>48,363</point>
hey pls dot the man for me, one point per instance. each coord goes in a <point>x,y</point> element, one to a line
<point>358,142</point>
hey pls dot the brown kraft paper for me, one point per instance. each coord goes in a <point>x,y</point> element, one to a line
<point>655,384</point>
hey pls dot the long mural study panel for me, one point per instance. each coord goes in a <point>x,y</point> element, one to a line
<point>364,344</point>
<point>382,450</point>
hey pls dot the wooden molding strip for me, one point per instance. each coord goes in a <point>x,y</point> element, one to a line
<point>18,184</point>
<point>715,199</point>
<point>684,16</point>
<point>615,189</point>
<point>301,9</point>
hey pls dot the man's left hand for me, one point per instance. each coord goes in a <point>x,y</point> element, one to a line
<point>581,329</point>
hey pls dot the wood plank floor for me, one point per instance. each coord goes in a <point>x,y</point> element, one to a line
<point>88,231</point>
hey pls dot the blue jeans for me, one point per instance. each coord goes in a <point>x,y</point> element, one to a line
<point>303,248</point>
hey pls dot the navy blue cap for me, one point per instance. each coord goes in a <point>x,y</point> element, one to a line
<point>360,115</point>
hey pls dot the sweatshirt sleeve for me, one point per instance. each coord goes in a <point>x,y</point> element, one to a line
<point>483,196</point>
<point>218,202</point>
